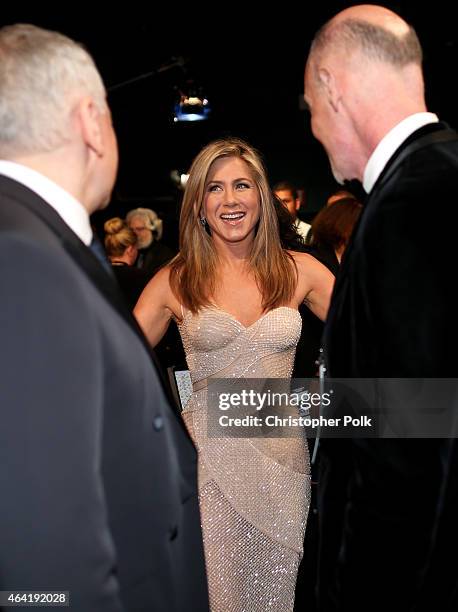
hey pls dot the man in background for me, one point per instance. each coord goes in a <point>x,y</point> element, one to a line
<point>287,194</point>
<point>152,252</point>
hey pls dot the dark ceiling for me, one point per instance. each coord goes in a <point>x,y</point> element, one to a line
<point>251,68</point>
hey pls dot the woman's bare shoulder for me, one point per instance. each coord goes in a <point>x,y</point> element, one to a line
<point>304,259</point>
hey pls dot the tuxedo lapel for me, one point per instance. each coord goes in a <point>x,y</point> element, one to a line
<point>83,257</point>
<point>425,136</point>
<point>78,251</point>
<point>433,132</point>
<point>428,135</point>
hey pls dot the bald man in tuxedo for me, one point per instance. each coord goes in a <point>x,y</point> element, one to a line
<point>387,506</point>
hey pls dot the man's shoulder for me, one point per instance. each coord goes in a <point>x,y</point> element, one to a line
<point>18,210</point>
<point>26,235</point>
<point>13,190</point>
<point>429,150</point>
<point>425,170</point>
<point>38,259</point>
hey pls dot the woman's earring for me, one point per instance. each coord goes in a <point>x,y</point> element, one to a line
<point>205,225</point>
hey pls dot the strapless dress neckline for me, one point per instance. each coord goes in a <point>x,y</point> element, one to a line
<point>246,327</point>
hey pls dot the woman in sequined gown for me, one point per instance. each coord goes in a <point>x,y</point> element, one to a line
<point>234,293</point>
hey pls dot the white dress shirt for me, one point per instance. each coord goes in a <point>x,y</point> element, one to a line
<point>390,143</point>
<point>302,227</point>
<point>67,207</point>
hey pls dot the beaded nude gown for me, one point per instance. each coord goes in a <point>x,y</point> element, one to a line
<point>254,492</point>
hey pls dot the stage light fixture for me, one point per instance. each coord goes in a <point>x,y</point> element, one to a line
<point>191,107</point>
<point>191,104</point>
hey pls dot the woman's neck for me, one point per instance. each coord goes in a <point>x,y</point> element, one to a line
<point>233,255</point>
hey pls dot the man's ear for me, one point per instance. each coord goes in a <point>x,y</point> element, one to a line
<point>89,118</point>
<point>328,82</point>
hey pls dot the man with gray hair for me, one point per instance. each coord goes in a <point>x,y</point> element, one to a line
<point>152,253</point>
<point>97,475</point>
<point>388,507</point>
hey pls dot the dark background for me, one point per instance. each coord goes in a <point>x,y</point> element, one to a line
<point>250,65</point>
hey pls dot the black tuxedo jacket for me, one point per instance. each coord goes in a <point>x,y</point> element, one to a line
<point>97,474</point>
<point>385,505</point>
<point>154,257</point>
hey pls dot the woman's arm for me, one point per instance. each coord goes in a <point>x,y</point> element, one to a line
<point>315,284</point>
<point>156,306</point>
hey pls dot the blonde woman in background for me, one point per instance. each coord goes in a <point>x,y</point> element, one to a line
<point>121,248</point>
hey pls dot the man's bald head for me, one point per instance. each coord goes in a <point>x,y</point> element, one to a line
<point>363,76</point>
<point>374,31</point>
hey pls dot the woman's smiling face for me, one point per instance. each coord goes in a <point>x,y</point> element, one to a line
<point>231,202</point>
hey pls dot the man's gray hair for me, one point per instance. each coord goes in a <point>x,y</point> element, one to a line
<point>43,74</point>
<point>374,41</point>
<point>150,219</point>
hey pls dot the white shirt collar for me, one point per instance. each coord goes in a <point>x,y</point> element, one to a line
<point>67,207</point>
<point>390,143</point>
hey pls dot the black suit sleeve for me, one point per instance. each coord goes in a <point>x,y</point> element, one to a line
<point>54,530</point>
